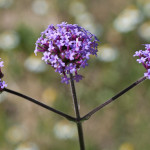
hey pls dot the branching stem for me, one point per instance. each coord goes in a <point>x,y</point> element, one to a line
<point>78,120</point>
<point>40,104</point>
<point>88,115</point>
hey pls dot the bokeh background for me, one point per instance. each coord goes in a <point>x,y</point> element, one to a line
<point>122,27</point>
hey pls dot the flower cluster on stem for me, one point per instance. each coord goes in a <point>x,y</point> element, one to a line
<point>144,58</point>
<point>2,83</point>
<point>67,48</point>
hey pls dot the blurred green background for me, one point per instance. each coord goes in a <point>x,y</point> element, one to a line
<point>122,27</point>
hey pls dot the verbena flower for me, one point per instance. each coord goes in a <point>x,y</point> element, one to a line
<point>2,83</point>
<point>144,58</point>
<point>66,48</point>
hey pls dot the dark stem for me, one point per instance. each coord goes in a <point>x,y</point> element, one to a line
<point>40,104</point>
<point>87,116</point>
<point>76,107</point>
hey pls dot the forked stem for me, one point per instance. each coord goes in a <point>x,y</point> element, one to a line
<point>70,118</point>
<point>78,120</point>
<point>88,115</point>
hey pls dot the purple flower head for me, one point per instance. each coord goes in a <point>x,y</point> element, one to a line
<point>66,48</point>
<point>144,58</point>
<point>2,83</point>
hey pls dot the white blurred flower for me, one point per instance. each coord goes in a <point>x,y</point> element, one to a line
<point>147,9</point>
<point>27,146</point>
<point>77,8</point>
<point>34,64</point>
<point>144,31</point>
<point>128,20</point>
<point>85,18</point>
<point>107,53</point>
<point>16,134</point>
<point>2,96</point>
<point>5,3</point>
<point>9,40</point>
<point>95,29</point>
<point>40,7</point>
<point>64,130</point>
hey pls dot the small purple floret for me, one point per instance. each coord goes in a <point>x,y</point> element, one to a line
<point>2,83</point>
<point>144,58</point>
<point>67,48</point>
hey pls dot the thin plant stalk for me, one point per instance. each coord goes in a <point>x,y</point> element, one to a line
<point>88,115</point>
<point>70,118</point>
<point>77,112</point>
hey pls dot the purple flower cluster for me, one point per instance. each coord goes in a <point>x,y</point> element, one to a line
<point>144,58</point>
<point>67,48</point>
<point>2,83</point>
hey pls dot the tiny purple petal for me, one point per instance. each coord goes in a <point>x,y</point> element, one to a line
<point>67,48</point>
<point>141,60</point>
<point>144,58</point>
<point>77,78</point>
<point>2,83</point>
<point>1,64</point>
<point>65,80</point>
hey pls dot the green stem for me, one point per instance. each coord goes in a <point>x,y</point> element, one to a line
<point>70,118</point>
<point>79,124</point>
<point>88,115</point>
